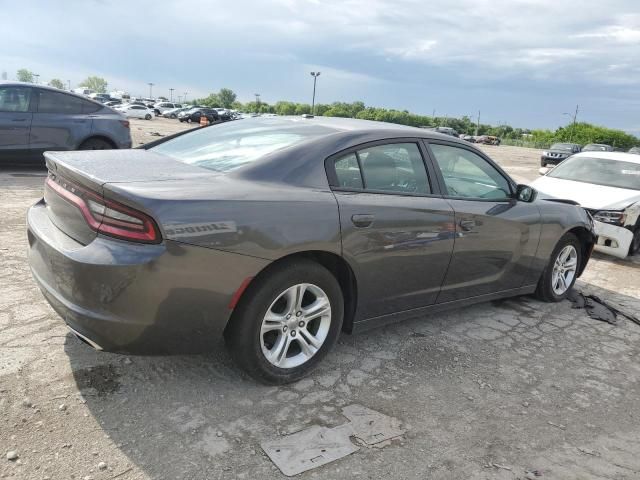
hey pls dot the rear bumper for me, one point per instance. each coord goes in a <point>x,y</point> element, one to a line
<point>122,296</point>
<point>612,240</point>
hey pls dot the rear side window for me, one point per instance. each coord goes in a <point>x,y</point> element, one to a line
<point>90,107</point>
<point>15,99</point>
<point>348,172</point>
<point>396,167</point>
<point>56,102</point>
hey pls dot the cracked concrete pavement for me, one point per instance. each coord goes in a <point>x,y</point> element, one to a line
<point>491,391</point>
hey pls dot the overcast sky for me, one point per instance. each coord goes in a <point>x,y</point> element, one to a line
<point>524,62</point>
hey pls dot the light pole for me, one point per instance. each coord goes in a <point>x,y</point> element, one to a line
<point>315,76</point>
<point>69,84</point>
<point>478,124</point>
<point>151,90</point>
<point>573,127</point>
<point>257,102</point>
<point>171,90</point>
<point>185,97</point>
<point>37,75</point>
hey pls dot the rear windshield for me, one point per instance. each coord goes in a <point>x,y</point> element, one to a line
<point>234,144</point>
<point>599,171</point>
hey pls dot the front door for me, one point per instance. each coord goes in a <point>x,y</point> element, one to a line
<point>15,122</point>
<point>496,235</point>
<point>396,233</point>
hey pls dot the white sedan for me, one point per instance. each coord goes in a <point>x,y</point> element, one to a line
<point>136,111</point>
<point>607,184</point>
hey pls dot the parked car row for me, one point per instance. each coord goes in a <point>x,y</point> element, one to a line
<point>561,151</point>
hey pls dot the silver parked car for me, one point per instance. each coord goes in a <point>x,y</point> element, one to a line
<point>35,118</point>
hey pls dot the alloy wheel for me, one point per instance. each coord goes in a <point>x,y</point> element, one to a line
<point>295,326</point>
<point>564,270</point>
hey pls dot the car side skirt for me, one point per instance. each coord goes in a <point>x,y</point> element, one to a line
<point>375,322</point>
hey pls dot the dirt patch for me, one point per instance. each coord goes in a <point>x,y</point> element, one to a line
<point>104,379</point>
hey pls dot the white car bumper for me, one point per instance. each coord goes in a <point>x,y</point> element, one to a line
<point>613,240</point>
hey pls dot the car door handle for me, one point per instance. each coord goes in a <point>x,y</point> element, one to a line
<point>19,120</point>
<point>362,220</point>
<point>467,225</point>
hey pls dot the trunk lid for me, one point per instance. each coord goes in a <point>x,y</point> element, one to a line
<point>87,173</point>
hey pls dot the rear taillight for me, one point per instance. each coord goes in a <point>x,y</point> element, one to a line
<point>106,216</point>
<point>125,123</point>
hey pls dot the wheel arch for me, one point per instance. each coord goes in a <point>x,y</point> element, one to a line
<point>99,137</point>
<point>587,241</point>
<point>333,262</point>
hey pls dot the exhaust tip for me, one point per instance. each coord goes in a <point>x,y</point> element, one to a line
<point>84,339</point>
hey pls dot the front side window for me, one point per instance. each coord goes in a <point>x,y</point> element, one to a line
<point>15,99</point>
<point>468,175</point>
<point>56,102</point>
<point>396,167</point>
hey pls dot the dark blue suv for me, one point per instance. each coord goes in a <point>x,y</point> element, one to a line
<point>35,118</point>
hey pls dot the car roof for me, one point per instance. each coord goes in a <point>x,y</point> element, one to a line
<point>620,156</point>
<point>338,124</point>
<point>46,87</point>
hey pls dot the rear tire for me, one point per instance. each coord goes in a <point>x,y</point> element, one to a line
<point>147,116</point>
<point>95,144</point>
<point>565,262</point>
<point>173,115</point>
<point>277,338</point>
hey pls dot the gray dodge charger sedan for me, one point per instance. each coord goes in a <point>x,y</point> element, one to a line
<point>280,233</point>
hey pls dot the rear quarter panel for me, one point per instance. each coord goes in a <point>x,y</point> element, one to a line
<point>265,220</point>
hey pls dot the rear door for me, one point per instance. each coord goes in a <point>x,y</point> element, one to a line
<point>397,232</point>
<point>59,123</point>
<point>15,122</point>
<point>496,235</point>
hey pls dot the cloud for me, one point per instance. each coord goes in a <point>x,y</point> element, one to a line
<point>403,53</point>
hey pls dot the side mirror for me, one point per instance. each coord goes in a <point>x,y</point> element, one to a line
<point>544,170</point>
<point>525,193</point>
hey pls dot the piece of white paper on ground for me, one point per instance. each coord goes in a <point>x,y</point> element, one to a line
<point>317,446</point>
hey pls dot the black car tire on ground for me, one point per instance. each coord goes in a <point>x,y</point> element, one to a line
<point>95,144</point>
<point>634,248</point>
<point>173,115</point>
<point>189,120</point>
<point>147,116</point>
<point>543,163</point>
<point>243,334</point>
<point>544,291</point>
<point>157,112</point>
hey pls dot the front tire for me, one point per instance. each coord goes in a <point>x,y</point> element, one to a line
<point>561,273</point>
<point>147,116</point>
<point>286,322</point>
<point>634,248</point>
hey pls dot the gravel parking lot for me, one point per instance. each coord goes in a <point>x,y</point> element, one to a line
<point>506,390</point>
